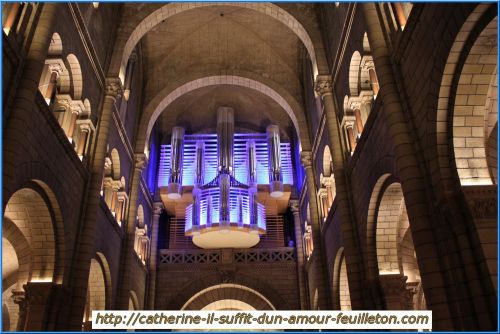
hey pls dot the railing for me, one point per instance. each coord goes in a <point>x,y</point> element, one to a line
<point>219,256</point>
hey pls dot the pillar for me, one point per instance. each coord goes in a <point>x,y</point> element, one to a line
<point>125,279</point>
<point>458,292</point>
<point>86,250</point>
<point>350,236</point>
<point>19,298</point>
<point>320,279</point>
<point>38,302</point>
<point>294,207</point>
<point>157,210</point>
<point>396,294</point>
<point>26,91</point>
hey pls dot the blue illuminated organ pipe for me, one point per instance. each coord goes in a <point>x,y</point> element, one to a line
<point>274,151</point>
<point>198,182</point>
<point>252,185</point>
<point>225,157</point>
<point>225,134</point>
<point>176,157</point>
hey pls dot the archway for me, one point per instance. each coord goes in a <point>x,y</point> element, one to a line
<point>169,10</point>
<point>232,295</point>
<point>398,270</point>
<point>168,95</point>
<point>340,283</point>
<point>32,250</point>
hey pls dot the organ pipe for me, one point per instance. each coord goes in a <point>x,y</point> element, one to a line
<point>225,134</point>
<point>274,146</point>
<point>175,182</point>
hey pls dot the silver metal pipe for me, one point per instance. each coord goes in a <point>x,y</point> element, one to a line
<point>200,155</point>
<point>224,213</point>
<point>225,136</point>
<point>251,164</point>
<point>176,157</point>
<point>274,151</point>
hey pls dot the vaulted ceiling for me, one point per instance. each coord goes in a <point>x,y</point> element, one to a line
<point>218,40</point>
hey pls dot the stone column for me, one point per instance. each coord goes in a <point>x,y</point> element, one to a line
<point>86,250</point>
<point>396,294</point>
<point>157,210</point>
<point>38,302</point>
<point>352,246</point>
<point>125,278</point>
<point>299,247</point>
<point>320,279</point>
<point>24,100</point>
<point>19,298</point>
<point>457,291</point>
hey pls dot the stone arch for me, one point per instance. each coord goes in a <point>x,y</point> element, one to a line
<point>262,85</point>
<point>15,244</point>
<point>171,9</point>
<point>228,291</point>
<point>115,164</point>
<point>30,210</point>
<point>354,74</point>
<point>470,108</point>
<point>449,112</point>
<point>340,283</point>
<point>371,247</point>
<point>190,289</point>
<point>99,288</point>
<point>327,161</point>
<point>140,217</point>
<point>388,218</point>
<point>76,76</point>
<point>133,301</point>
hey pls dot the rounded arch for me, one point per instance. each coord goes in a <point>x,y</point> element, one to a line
<point>354,73</point>
<point>115,164</point>
<point>262,85</point>
<point>30,210</point>
<point>447,108</point>
<point>340,283</point>
<point>193,287</point>
<point>327,161</point>
<point>389,213</point>
<point>96,287</point>
<point>133,301</point>
<point>228,291</point>
<point>371,226</point>
<point>171,9</point>
<point>76,76</point>
<point>470,108</point>
<point>140,217</point>
<point>16,256</point>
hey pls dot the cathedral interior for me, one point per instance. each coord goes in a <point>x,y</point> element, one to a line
<point>249,156</point>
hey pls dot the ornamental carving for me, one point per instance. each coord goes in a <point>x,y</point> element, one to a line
<point>323,85</point>
<point>306,159</point>
<point>140,161</point>
<point>294,205</point>
<point>157,208</point>
<point>113,87</point>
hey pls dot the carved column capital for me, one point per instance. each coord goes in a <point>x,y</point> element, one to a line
<point>133,57</point>
<point>157,208</point>
<point>294,206</point>
<point>306,159</point>
<point>323,85</point>
<point>140,161</point>
<point>113,88</point>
